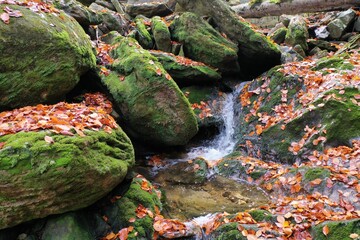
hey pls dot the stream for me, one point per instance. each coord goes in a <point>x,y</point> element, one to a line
<point>193,189</point>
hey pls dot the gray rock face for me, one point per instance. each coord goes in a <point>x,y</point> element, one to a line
<point>336,28</point>
<point>150,8</point>
<point>357,25</point>
<point>342,21</point>
<point>110,20</point>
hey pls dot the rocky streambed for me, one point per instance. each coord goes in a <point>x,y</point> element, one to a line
<point>177,119</point>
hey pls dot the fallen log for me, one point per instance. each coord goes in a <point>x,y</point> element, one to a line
<point>267,8</point>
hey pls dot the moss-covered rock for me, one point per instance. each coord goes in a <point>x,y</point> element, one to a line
<point>333,62</point>
<point>140,195</point>
<point>206,97</point>
<point>228,231</point>
<point>256,53</point>
<point>38,178</point>
<point>69,226</point>
<point>185,71</point>
<point>161,34</point>
<point>329,117</point>
<point>337,230</point>
<point>334,117</point>
<point>203,43</point>
<point>109,20</point>
<point>142,34</point>
<point>151,105</point>
<point>314,173</point>
<point>81,13</point>
<point>43,56</point>
<point>297,33</point>
<point>262,215</point>
<point>354,43</point>
<point>278,36</point>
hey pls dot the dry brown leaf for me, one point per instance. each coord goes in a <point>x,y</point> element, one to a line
<point>326,230</point>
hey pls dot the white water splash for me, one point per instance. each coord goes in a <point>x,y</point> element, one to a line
<point>224,143</point>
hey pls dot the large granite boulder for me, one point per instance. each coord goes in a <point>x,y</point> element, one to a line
<point>152,106</point>
<point>201,42</point>
<point>43,55</point>
<point>341,23</point>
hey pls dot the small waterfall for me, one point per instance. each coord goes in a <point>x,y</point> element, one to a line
<point>224,143</point>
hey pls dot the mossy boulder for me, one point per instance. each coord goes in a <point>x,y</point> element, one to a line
<point>203,43</point>
<point>151,105</point>
<point>329,118</point>
<point>278,36</point>
<point>109,21</point>
<point>297,33</point>
<point>333,62</point>
<point>185,71</point>
<point>69,226</point>
<point>142,35</point>
<point>139,195</point>
<point>161,34</point>
<point>81,13</point>
<point>337,230</point>
<point>43,56</point>
<point>256,53</point>
<point>39,178</point>
<point>340,124</point>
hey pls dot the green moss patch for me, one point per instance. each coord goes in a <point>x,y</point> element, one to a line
<point>152,106</point>
<point>337,230</point>
<point>63,53</point>
<point>203,43</point>
<point>71,173</point>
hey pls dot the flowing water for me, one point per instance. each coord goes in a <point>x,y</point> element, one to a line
<point>224,143</point>
<point>190,198</point>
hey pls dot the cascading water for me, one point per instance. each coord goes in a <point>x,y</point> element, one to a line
<point>189,197</point>
<point>224,143</point>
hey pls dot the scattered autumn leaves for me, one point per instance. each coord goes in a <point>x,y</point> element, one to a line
<point>315,84</point>
<point>33,5</point>
<point>61,118</point>
<point>167,228</point>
